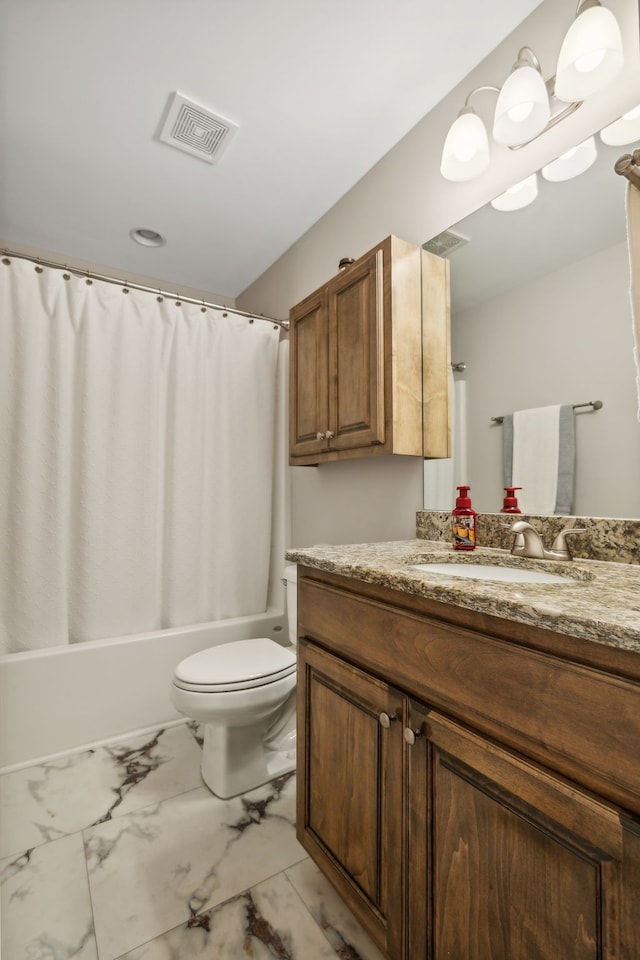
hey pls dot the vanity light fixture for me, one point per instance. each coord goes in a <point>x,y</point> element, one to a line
<point>518,196</point>
<point>590,58</point>
<point>522,110</point>
<point>572,163</point>
<point>626,129</point>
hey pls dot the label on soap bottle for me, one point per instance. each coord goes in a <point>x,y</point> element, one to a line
<point>464,533</point>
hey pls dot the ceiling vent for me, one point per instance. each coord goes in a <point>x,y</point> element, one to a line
<point>445,243</point>
<point>195,129</point>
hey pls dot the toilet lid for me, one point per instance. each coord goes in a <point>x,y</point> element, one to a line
<point>236,666</point>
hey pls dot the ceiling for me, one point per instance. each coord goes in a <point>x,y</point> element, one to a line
<point>320,90</point>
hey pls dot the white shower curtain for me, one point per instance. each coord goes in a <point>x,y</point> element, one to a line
<point>136,460</point>
<point>441,477</point>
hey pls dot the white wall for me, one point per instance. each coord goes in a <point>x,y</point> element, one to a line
<point>564,338</point>
<point>404,194</point>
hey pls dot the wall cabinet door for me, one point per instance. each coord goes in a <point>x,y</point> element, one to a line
<point>309,377</point>
<point>337,364</point>
<point>356,354</point>
<point>350,788</point>
<point>506,861</point>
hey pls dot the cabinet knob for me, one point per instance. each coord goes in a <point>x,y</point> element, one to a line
<point>386,720</point>
<point>411,735</point>
<point>330,434</point>
<point>320,436</point>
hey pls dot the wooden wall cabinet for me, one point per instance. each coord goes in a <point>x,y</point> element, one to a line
<point>369,360</point>
<point>453,826</point>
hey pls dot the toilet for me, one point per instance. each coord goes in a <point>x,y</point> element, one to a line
<point>244,692</point>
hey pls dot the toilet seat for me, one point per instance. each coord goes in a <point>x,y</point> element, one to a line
<point>240,665</point>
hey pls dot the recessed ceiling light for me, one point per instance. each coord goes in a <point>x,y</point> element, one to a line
<point>146,237</point>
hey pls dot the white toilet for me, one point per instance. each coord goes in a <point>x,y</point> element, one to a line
<point>244,692</point>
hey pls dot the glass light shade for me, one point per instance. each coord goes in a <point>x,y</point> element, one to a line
<point>624,130</point>
<point>572,163</point>
<point>591,55</point>
<point>522,110</point>
<point>465,154</point>
<point>518,196</point>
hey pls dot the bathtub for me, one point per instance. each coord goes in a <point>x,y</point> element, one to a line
<point>60,699</point>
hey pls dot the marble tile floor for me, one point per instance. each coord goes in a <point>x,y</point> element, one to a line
<point>120,853</point>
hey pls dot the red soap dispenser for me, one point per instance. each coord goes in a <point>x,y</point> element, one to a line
<point>510,503</point>
<point>464,522</point>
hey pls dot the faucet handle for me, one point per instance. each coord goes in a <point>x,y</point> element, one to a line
<point>560,539</point>
<point>560,543</point>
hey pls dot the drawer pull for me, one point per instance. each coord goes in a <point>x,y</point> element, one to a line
<point>411,736</point>
<point>386,720</point>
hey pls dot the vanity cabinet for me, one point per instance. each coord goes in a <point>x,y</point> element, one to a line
<point>470,793</point>
<point>369,360</point>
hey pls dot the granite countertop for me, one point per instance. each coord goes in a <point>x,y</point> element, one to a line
<point>599,602</point>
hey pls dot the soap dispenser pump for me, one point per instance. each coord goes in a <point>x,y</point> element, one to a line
<point>510,503</point>
<point>464,522</point>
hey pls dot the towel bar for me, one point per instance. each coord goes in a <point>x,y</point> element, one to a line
<point>596,404</point>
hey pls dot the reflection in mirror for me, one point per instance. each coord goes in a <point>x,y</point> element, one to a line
<point>541,315</point>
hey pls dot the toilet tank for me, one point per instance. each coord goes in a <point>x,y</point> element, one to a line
<point>290,581</point>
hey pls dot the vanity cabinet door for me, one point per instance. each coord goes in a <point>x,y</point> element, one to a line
<point>350,788</point>
<point>506,861</point>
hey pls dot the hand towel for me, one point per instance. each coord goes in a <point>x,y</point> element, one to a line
<point>633,238</point>
<point>539,456</point>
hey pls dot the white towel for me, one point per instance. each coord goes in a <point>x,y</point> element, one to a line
<point>536,442</point>
<point>633,235</point>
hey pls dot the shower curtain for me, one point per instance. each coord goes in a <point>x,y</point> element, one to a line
<point>441,477</point>
<point>136,460</point>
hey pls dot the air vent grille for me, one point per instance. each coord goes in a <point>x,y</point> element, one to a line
<point>195,129</point>
<point>445,243</point>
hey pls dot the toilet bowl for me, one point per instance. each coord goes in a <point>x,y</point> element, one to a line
<point>244,692</point>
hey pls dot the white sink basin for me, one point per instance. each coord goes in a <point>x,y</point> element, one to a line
<point>489,571</point>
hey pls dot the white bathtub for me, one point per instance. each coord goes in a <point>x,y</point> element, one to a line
<point>63,698</point>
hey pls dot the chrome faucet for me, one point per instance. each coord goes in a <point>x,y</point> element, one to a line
<point>528,542</point>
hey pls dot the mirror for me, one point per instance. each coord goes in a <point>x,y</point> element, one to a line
<point>541,315</point>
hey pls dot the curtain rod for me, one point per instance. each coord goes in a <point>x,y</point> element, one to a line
<point>126,285</point>
<point>629,166</point>
<point>595,404</point>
